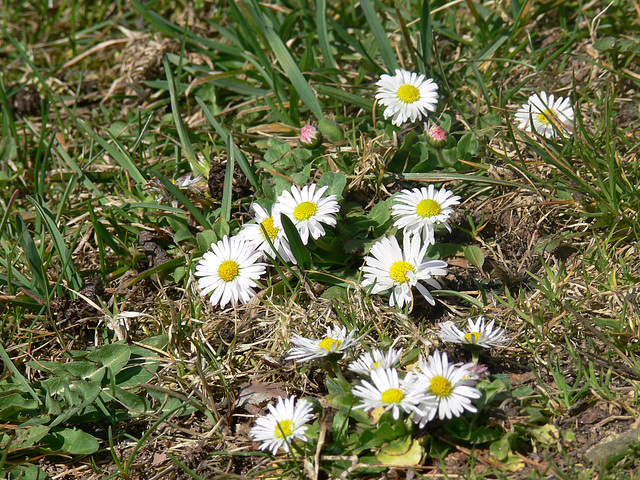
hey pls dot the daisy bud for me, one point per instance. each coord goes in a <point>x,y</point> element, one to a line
<point>437,136</point>
<point>331,129</point>
<point>310,136</point>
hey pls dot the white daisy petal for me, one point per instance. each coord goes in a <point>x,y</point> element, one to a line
<point>376,359</point>
<point>387,390</point>
<point>285,422</point>
<point>388,267</point>
<point>417,211</point>
<point>477,333</point>
<point>449,388</point>
<point>308,210</point>
<point>406,96</point>
<point>546,115</point>
<point>337,341</point>
<point>230,271</point>
<point>253,233</point>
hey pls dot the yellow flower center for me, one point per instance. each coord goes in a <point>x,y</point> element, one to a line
<point>393,395</point>
<point>228,270</point>
<point>428,208</point>
<point>271,230</point>
<point>545,117</point>
<point>408,94</point>
<point>375,365</point>
<point>305,210</point>
<point>398,271</point>
<point>440,386</point>
<point>284,429</point>
<point>472,337</point>
<point>327,344</point>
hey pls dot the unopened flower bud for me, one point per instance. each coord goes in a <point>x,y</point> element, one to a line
<point>437,136</point>
<point>310,136</point>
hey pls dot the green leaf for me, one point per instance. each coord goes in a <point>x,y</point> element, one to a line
<point>336,182</point>
<point>113,356</point>
<point>402,452</point>
<point>307,95</point>
<point>71,442</point>
<point>299,249</point>
<point>475,255</point>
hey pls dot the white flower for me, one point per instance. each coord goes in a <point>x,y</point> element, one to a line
<point>185,184</point>
<point>308,209</point>
<point>449,385</point>
<point>407,96</point>
<point>252,232</point>
<point>387,267</point>
<point>545,115</point>
<point>375,360</point>
<point>336,341</point>
<point>418,210</point>
<point>390,392</point>
<point>230,271</point>
<point>477,333</point>
<point>285,422</point>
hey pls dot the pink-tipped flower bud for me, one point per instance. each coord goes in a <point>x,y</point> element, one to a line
<point>437,136</point>
<point>310,136</point>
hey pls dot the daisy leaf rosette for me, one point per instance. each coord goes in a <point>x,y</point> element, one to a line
<point>337,341</point>
<point>545,115</point>
<point>230,271</point>
<point>253,232</point>
<point>389,267</point>
<point>449,388</point>
<point>406,96</point>
<point>477,333</point>
<point>418,210</point>
<point>308,209</point>
<point>285,422</point>
<point>389,391</point>
<point>374,360</point>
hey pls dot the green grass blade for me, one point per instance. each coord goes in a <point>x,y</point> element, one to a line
<point>187,147</point>
<point>17,375</point>
<point>227,191</point>
<point>175,191</point>
<point>323,34</point>
<point>426,36</point>
<point>68,268</point>
<point>386,51</point>
<point>118,153</point>
<point>299,249</point>
<point>33,258</point>
<point>244,164</point>
<point>360,101</point>
<point>290,67</point>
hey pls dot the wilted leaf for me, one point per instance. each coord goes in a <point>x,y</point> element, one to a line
<point>404,452</point>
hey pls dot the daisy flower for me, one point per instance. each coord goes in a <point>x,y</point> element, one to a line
<point>419,210</point>
<point>388,267</point>
<point>477,333</point>
<point>545,115</point>
<point>336,341</point>
<point>448,385</point>
<point>253,232</point>
<point>185,184</point>
<point>230,271</point>
<point>390,392</point>
<point>285,422</point>
<point>308,209</point>
<point>374,360</point>
<point>407,96</point>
